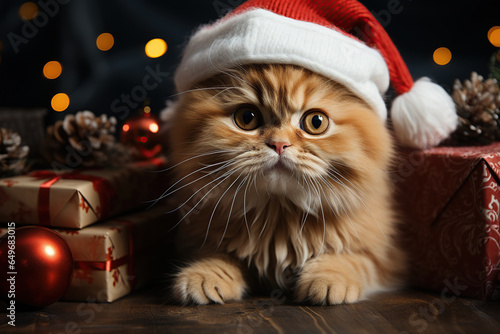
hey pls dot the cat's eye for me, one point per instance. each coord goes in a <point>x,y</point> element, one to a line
<point>314,122</point>
<point>247,118</point>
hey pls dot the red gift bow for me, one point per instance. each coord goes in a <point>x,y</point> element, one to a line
<point>102,186</point>
<point>114,264</point>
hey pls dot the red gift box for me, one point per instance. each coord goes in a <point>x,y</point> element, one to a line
<point>450,205</point>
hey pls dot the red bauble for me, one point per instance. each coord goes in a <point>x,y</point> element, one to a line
<point>142,132</point>
<point>42,269</point>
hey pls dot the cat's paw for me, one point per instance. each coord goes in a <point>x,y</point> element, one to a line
<point>320,285</point>
<point>207,281</point>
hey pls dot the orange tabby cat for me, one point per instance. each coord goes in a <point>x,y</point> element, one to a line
<point>282,172</point>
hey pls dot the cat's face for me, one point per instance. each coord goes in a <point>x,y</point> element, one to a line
<point>281,131</point>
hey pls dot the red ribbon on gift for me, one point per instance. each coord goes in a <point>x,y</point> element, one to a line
<point>114,264</point>
<point>131,252</point>
<point>101,265</point>
<point>102,186</point>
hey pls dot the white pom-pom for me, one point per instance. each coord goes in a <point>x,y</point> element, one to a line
<point>424,116</point>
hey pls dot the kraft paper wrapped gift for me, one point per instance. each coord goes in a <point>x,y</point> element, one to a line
<point>115,257</point>
<point>450,205</point>
<point>79,198</point>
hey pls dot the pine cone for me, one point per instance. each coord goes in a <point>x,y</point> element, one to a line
<point>478,109</point>
<point>12,154</point>
<point>84,140</point>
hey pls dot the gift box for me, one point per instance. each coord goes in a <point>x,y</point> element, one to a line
<point>78,198</point>
<point>449,200</point>
<point>115,257</point>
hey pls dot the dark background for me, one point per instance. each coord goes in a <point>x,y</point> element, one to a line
<point>94,79</point>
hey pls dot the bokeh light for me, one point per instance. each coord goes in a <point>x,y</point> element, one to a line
<point>442,56</point>
<point>52,70</point>
<point>105,41</point>
<point>125,127</point>
<point>153,127</point>
<point>156,48</point>
<point>60,102</point>
<point>494,36</point>
<point>28,10</point>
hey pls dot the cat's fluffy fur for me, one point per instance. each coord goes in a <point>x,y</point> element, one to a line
<point>319,224</point>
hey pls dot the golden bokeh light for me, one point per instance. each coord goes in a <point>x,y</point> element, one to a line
<point>105,41</point>
<point>52,70</point>
<point>28,10</point>
<point>153,127</point>
<point>156,48</point>
<point>442,56</point>
<point>60,102</point>
<point>494,36</point>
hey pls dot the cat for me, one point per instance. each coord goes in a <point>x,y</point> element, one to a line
<point>282,174</point>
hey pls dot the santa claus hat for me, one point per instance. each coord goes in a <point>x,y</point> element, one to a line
<point>318,35</point>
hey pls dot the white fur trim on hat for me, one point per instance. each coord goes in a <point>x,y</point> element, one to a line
<point>424,116</point>
<point>260,36</point>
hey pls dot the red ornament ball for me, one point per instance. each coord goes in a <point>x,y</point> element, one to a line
<point>142,132</point>
<point>37,270</point>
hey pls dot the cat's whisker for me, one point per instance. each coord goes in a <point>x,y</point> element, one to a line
<point>339,201</point>
<point>224,163</point>
<point>361,201</point>
<point>166,193</point>
<point>242,68</point>
<point>231,209</point>
<point>324,225</point>
<point>217,204</point>
<point>255,184</point>
<point>201,200</point>
<point>245,210</point>
<point>196,90</point>
<point>310,201</point>
<point>197,191</point>
<point>316,187</point>
<point>336,172</point>
<point>263,228</point>
<point>196,157</point>
<point>223,91</point>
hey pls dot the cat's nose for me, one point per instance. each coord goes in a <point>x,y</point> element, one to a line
<point>278,146</point>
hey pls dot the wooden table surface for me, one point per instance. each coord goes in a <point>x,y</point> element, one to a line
<point>144,311</point>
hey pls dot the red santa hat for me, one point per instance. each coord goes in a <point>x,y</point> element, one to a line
<point>319,36</point>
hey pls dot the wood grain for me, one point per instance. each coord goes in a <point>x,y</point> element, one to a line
<point>402,312</point>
